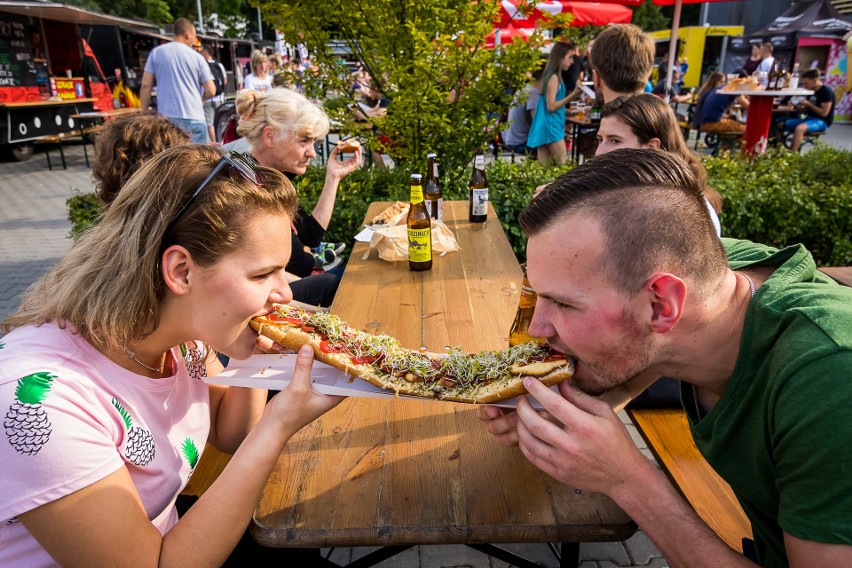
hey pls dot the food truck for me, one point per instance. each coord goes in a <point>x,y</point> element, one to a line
<point>703,46</point>
<point>48,71</point>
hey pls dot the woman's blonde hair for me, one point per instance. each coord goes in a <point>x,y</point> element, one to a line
<point>257,57</point>
<point>289,113</point>
<point>109,286</point>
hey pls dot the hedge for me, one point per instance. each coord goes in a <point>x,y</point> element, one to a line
<point>778,199</point>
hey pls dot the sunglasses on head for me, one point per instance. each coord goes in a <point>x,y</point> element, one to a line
<point>244,164</point>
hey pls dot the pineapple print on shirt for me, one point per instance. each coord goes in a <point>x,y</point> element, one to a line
<point>194,359</point>
<point>27,426</point>
<point>190,452</point>
<point>140,445</point>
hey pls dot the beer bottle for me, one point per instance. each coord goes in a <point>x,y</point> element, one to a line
<point>519,332</point>
<point>432,194</point>
<point>478,186</point>
<point>794,77</point>
<point>419,228</point>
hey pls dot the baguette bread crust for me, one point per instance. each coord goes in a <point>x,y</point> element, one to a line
<point>509,386</point>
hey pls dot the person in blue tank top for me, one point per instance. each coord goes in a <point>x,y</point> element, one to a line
<point>547,131</point>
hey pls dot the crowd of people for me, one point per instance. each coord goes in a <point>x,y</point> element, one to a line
<point>100,366</point>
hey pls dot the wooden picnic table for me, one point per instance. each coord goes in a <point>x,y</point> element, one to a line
<point>401,472</point>
<point>842,274</point>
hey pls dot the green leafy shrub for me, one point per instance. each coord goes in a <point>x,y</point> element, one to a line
<point>511,187</point>
<point>778,199</point>
<point>84,211</point>
<point>782,199</point>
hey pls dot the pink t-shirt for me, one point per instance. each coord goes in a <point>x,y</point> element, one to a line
<point>72,417</point>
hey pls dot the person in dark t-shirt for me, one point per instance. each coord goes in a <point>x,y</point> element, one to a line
<point>816,112</point>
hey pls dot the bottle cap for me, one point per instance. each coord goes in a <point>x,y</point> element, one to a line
<point>416,177</point>
<point>431,155</point>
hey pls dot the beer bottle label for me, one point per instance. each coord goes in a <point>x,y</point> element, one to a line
<point>416,194</point>
<point>435,170</point>
<point>480,201</point>
<point>479,162</point>
<point>437,214</point>
<point>420,245</point>
<point>528,297</point>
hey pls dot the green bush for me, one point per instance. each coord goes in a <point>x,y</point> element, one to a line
<point>84,211</point>
<point>778,199</point>
<point>782,199</point>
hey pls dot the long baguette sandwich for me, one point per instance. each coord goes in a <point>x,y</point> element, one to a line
<point>488,376</point>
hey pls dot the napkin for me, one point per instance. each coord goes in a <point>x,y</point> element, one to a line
<point>392,242</point>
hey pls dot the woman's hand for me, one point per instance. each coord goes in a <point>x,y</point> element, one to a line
<point>500,423</point>
<point>298,404</point>
<point>336,169</point>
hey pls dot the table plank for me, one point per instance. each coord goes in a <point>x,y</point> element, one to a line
<point>842,274</point>
<point>375,472</point>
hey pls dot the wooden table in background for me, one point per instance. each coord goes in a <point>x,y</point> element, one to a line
<point>581,130</point>
<point>759,117</point>
<point>401,472</point>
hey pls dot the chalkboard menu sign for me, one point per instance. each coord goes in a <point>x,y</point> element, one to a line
<point>17,68</point>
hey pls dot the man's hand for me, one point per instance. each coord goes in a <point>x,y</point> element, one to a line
<point>588,448</point>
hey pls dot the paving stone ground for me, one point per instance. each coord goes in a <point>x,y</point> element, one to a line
<point>34,235</point>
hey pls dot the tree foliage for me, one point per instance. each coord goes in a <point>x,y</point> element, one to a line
<point>447,91</point>
<point>650,17</point>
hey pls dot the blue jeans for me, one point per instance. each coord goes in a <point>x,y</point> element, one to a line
<point>814,124</point>
<point>197,129</point>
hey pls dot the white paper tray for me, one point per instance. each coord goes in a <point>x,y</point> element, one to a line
<point>274,372</point>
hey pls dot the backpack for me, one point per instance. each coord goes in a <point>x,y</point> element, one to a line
<point>218,78</point>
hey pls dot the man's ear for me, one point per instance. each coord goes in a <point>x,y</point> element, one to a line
<point>176,265</point>
<point>668,296</point>
<point>596,81</point>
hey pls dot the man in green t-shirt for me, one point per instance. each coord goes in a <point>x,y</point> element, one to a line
<point>631,279</point>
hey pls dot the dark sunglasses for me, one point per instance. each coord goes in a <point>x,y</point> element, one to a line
<point>244,164</point>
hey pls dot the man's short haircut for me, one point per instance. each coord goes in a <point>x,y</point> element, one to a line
<point>623,56</point>
<point>769,47</point>
<point>181,27</point>
<point>811,74</point>
<point>651,210</point>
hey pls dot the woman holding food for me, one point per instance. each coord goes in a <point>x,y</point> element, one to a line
<point>279,129</point>
<point>106,412</point>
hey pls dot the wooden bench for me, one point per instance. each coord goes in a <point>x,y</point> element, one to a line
<point>55,141</point>
<point>715,140</point>
<point>667,434</point>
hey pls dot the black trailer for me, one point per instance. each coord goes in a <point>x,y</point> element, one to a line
<point>42,51</point>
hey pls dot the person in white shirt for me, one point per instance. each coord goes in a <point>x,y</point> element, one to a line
<point>183,81</point>
<point>767,60</point>
<point>259,79</point>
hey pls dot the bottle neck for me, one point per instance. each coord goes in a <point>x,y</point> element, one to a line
<point>416,194</point>
<point>479,162</point>
<point>528,296</point>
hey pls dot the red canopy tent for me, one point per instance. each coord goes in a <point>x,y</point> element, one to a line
<point>513,23</point>
<point>675,25</point>
<point>585,13</point>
